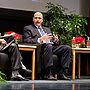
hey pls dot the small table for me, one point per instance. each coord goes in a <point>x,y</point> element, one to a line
<point>79,51</point>
<point>32,48</point>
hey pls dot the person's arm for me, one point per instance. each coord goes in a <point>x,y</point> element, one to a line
<point>55,39</point>
<point>28,36</point>
<point>2,41</point>
<point>2,44</point>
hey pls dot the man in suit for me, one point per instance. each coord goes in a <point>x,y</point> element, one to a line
<point>37,33</point>
<point>9,46</point>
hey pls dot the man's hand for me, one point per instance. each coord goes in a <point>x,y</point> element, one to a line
<point>55,38</point>
<point>2,41</point>
<point>50,36</point>
<point>44,37</point>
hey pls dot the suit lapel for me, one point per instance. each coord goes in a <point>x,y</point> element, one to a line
<point>36,32</point>
<point>45,30</point>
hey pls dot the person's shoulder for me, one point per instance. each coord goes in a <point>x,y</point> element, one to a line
<point>46,27</point>
<point>29,26</point>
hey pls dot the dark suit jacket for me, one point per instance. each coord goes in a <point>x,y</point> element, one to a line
<point>31,33</point>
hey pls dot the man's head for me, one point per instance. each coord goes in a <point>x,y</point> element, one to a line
<point>38,19</point>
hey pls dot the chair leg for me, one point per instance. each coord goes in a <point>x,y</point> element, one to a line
<point>78,73</point>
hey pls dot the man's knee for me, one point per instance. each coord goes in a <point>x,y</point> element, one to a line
<point>49,46</point>
<point>67,47</point>
<point>14,45</point>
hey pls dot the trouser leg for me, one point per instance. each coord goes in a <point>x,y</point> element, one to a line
<point>15,56</point>
<point>65,52</point>
<point>47,61</point>
<point>47,55</point>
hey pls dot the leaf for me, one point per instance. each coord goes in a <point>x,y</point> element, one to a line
<point>66,26</point>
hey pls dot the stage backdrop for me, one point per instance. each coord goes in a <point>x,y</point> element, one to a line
<point>79,6</point>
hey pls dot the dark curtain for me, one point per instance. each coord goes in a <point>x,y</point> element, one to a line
<point>88,33</point>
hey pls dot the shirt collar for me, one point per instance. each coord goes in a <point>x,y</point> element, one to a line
<point>38,27</point>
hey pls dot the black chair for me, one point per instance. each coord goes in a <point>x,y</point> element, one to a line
<point>5,65</point>
<point>56,65</point>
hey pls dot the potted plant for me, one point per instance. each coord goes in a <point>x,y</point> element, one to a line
<point>65,26</point>
<point>2,76</point>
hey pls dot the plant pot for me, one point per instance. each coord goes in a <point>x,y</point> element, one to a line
<point>78,45</point>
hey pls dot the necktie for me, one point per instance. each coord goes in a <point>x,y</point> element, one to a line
<point>41,31</point>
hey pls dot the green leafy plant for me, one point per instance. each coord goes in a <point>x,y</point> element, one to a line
<point>2,77</point>
<point>65,26</point>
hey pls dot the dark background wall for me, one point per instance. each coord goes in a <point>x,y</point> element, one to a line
<point>14,20</point>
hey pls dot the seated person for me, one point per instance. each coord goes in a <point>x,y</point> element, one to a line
<point>9,46</point>
<point>37,33</point>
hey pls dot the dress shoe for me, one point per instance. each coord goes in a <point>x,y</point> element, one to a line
<point>49,77</point>
<point>18,78</point>
<point>62,77</point>
<point>25,71</point>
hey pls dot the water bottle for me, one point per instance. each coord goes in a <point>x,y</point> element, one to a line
<point>73,42</point>
<point>88,42</point>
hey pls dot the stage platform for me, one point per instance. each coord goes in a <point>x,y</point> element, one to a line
<point>77,84</point>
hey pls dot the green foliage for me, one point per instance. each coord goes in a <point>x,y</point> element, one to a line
<point>65,26</point>
<point>2,77</point>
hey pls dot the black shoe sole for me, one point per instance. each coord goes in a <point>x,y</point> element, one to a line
<point>19,79</point>
<point>62,77</point>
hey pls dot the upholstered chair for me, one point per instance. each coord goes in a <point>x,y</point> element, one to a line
<point>5,65</point>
